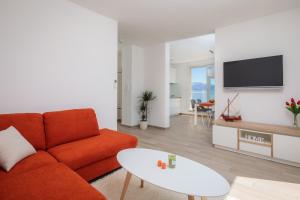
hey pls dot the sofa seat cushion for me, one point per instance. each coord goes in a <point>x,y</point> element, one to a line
<point>30,125</point>
<point>84,152</point>
<point>98,169</point>
<point>34,161</point>
<point>69,125</point>
<point>53,182</point>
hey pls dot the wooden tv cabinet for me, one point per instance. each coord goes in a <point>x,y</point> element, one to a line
<point>272,142</point>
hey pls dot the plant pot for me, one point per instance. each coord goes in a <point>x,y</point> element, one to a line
<point>143,125</point>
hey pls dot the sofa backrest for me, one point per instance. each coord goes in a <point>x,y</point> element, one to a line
<point>69,125</point>
<point>30,125</point>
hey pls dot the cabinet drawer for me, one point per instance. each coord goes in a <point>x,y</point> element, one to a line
<point>286,147</point>
<point>254,148</point>
<point>225,136</point>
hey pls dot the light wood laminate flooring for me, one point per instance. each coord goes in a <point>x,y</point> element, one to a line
<point>250,177</point>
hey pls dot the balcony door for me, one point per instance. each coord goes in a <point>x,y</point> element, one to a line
<point>202,83</point>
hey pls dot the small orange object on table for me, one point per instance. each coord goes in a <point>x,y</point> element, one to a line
<point>159,163</point>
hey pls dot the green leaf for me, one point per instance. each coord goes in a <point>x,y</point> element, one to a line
<point>144,99</point>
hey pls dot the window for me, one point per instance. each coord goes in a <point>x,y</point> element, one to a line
<point>212,88</point>
<point>203,84</point>
<point>199,83</point>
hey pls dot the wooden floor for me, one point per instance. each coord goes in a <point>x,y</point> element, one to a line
<point>250,178</point>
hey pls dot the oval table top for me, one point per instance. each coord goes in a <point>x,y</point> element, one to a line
<point>188,177</point>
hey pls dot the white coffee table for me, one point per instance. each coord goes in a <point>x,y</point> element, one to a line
<point>189,177</point>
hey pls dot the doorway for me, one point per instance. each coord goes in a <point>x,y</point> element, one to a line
<point>192,72</point>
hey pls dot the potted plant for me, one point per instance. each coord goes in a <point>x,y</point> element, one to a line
<point>146,97</point>
<point>294,108</point>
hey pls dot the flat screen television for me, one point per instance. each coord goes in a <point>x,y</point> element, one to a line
<point>257,72</point>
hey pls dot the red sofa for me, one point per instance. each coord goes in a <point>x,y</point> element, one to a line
<point>70,151</point>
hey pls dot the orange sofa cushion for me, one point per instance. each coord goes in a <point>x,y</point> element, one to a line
<point>84,152</point>
<point>69,125</point>
<point>98,169</point>
<point>30,125</point>
<point>34,161</point>
<point>53,182</point>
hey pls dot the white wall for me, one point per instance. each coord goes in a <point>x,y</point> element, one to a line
<point>119,93</point>
<point>56,55</point>
<point>192,49</point>
<point>157,72</point>
<point>126,84</point>
<point>143,69</point>
<point>133,83</point>
<point>138,74</point>
<point>267,36</point>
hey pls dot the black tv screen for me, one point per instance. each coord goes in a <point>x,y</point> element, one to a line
<point>258,72</point>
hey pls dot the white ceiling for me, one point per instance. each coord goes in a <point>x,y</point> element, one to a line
<point>144,22</point>
<point>192,49</point>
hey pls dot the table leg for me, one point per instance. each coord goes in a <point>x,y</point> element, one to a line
<point>142,183</point>
<point>191,197</point>
<point>202,118</point>
<point>208,119</point>
<point>195,115</point>
<point>126,183</point>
